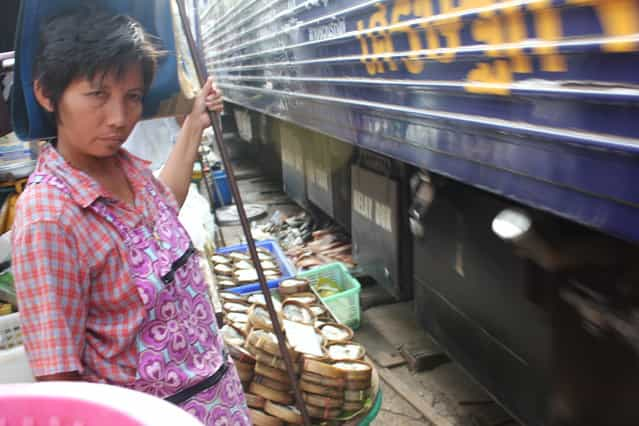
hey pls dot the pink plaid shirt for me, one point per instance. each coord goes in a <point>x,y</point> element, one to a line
<point>79,308</point>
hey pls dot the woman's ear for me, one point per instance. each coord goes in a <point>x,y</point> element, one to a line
<point>42,99</point>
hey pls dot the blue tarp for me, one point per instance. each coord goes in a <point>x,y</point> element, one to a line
<point>29,120</point>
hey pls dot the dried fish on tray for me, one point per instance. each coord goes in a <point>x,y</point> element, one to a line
<point>328,246</point>
<point>234,268</point>
<point>308,247</point>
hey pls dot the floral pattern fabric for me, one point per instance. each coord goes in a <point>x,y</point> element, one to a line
<point>178,345</point>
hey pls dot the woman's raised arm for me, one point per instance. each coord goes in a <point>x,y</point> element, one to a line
<point>178,169</point>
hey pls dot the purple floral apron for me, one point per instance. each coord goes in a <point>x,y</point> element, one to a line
<point>181,355</point>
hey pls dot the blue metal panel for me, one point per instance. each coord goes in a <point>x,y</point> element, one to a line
<point>534,100</point>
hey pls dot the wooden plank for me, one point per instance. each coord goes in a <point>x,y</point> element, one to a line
<point>407,390</point>
<point>422,357</point>
<point>405,383</point>
<point>388,359</point>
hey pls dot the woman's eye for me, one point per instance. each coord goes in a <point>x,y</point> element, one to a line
<point>135,97</point>
<point>97,94</point>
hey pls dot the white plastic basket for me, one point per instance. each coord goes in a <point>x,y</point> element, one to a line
<point>10,334</point>
<point>14,366</point>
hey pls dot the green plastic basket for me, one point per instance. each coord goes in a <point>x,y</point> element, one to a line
<point>345,304</point>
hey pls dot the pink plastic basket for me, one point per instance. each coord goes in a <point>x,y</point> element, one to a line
<point>60,412</point>
<point>85,404</point>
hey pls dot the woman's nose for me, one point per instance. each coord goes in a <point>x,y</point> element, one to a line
<point>117,113</point>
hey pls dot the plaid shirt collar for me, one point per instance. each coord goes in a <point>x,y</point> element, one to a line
<point>84,190</point>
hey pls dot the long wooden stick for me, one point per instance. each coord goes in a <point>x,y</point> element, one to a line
<point>246,228</point>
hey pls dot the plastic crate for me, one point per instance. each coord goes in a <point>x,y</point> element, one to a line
<point>222,182</point>
<point>91,404</point>
<point>286,267</point>
<point>10,334</point>
<point>14,366</point>
<point>345,304</point>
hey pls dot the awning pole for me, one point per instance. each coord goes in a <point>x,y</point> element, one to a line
<point>246,228</point>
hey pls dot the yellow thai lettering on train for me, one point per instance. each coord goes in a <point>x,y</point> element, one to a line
<point>412,63</point>
<point>498,29</point>
<point>500,32</point>
<point>549,29</point>
<point>491,78</point>
<point>382,42</point>
<point>450,28</point>
<point>371,63</point>
<point>618,18</point>
<point>488,29</point>
<point>516,33</point>
<point>424,9</point>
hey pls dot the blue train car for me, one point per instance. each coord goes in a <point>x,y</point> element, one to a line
<point>473,108</point>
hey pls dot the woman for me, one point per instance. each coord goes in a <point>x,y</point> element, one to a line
<point>108,283</point>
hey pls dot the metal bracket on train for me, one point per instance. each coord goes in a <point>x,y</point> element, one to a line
<point>423,192</point>
<point>600,317</point>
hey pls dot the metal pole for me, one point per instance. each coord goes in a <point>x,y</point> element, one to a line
<point>246,228</point>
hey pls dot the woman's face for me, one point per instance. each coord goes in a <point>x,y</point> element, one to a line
<point>96,117</point>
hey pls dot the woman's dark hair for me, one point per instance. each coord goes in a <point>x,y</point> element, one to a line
<point>88,42</point>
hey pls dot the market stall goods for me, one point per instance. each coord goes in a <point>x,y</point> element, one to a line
<point>306,247</point>
<point>232,336</point>
<point>293,310</point>
<point>323,412</point>
<point>322,401</point>
<point>238,257</point>
<point>236,317</point>
<point>355,371</point>
<point>293,286</point>
<point>243,264</point>
<point>223,269</point>
<point>331,392</point>
<point>289,414</point>
<point>319,312</point>
<point>271,394</point>
<point>259,299</point>
<point>238,353</point>
<point>245,375</point>
<point>259,318</point>
<point>228,296</point>
<point>272,373</point>
<point>254,401</point>
<point>272,361</point>
<point>305,339</point>
<point>357,385</point>
<point>345,351</point>
<point>336,333</point>
<point>236,268</point>
<point>226,283</point>
<point>335,381</point>
<point>236,306</point>
<point>259,418</point>
<point>322,369</point>
<point>323,380</point>
<point>246,367</point>
<point>352,406</point>
<point>357,396</point>
<point>273,384</point>
<point>265,340</point>
<point>219,259</point>
<point>304,298</point>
